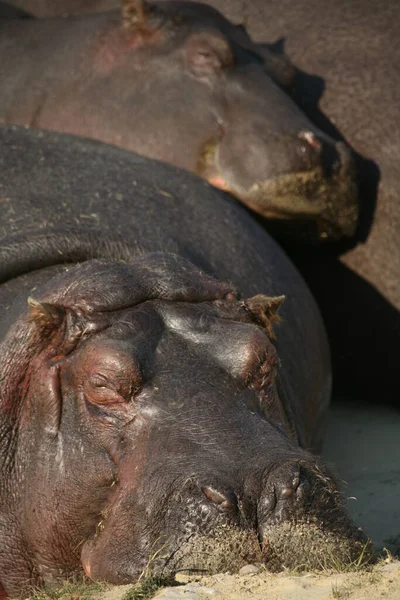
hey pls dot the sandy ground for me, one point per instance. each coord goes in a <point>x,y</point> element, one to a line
<point>363,445</point>
<point>379,584</point>
<point>382,583</point>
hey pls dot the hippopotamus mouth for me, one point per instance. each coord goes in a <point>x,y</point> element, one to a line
<point>323,196</point>
<point>288,524</point>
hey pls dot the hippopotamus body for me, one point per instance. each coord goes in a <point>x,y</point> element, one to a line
<point>146,410</point>
<point>349,57</point>
<point>177,82</point>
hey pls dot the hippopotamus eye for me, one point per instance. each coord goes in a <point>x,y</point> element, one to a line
<point>105,389</point>
<point>208,53</point>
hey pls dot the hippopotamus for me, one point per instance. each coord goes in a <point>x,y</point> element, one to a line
<point>177,82</point>
<point>152,407</point>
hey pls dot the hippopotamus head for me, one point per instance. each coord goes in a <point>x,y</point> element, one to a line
<point>180,83</point>
<point>142,420</point>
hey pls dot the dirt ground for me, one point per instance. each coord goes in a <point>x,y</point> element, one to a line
<point>382,583</point>
<point>350,586</point>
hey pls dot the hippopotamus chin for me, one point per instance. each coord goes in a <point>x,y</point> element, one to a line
<point>177,82</point>
<point>150,409</point>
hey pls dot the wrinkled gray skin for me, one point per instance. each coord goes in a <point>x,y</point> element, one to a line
<point>177,82</point>
<point>349,57</point>
<point>144,408</point>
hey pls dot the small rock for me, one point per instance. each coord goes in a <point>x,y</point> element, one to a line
<point>177,593</point>
<point>391,566</point>
<point>249,570</point>
<point>185,577</point>
<point>208,591</point>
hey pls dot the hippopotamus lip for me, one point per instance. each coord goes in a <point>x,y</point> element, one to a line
<point>307,195</point>
<point>217,551</point>
<point>207,553</point>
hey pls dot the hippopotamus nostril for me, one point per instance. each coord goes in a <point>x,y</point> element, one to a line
<point>332,157</point>
<point>286,492</point>
<point>217,497</point>
<point>306,151</point>
<point>282,493</point>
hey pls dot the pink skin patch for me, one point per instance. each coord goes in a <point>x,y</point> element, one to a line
<point>218,182</point>
<point>311,139</point>
<point>87,567</point>
<point>113,43</point>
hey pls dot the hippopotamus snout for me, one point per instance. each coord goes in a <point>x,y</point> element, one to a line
<point>209,523</point>
<point>273,159</point>
<point>306,176</point>
<point>274,524</point>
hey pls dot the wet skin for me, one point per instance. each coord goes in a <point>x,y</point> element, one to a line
<point>154,408</point>
<point>177,82</point>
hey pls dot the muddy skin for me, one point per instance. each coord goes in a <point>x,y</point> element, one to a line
<point>177,82</point>
<point>154,407</point>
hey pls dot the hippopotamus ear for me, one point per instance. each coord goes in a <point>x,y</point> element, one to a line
<point>45,316</point>
<point>264,310</point>
<point>139,15</point>
<point>71,324</point>
<point>276,63</point>
<point>278,66</point>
